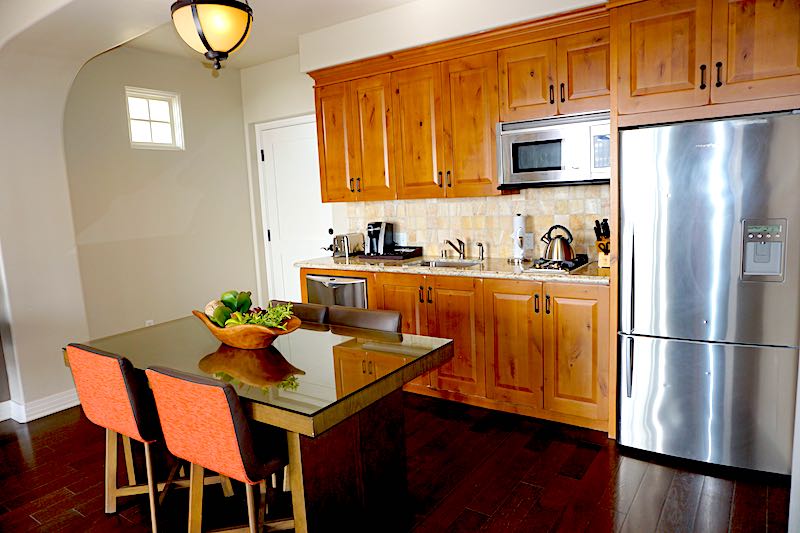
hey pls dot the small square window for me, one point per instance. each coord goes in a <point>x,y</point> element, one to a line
<point>154,119</point>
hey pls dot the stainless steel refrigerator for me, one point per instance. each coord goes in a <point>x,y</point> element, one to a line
<point>710,289</point>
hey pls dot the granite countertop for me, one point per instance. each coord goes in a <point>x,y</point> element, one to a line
<point>490,268</point>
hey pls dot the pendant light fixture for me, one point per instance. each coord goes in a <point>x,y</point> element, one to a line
<point>214,28</point>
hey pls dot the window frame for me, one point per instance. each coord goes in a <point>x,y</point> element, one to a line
<point>176,123</point>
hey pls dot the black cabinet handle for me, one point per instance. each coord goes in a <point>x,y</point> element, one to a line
<point>719,74</point>
<point>363,366</point>
<point>449,179</point>
<point>703,77</point>
<point>440,181</point>
<point>430,299</point>
<point>547,304</point>
<point>358,184</point>
<point>369,371</point>
<point>552,94</point>
<point>421,299</point>
<point>536,303</point>
<point>562,94</point>
<point>351,185</point>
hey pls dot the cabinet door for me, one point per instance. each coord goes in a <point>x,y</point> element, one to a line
<point>528,81</point>
<point>584,78</point>
<point>404,293</point>
<point>513,317</point>
<point>338,159</point>
<point>351,370</point>
<point>456,312</point>
<point>372,119</point>
<point>664,50</point>
<point>471,113</point>
<point>576,323</point>
<point>756,49</point>
<point>381,364</point>
<point>418,132</point>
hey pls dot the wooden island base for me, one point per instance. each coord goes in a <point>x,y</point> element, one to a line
<point>353,476</point>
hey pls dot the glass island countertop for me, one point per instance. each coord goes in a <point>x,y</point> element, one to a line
<point>307,381</point>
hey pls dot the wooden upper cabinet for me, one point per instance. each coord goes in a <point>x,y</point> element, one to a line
<point>418,132</point>
<point>584,72</point>
<point>374,145</point>
<point>528,81</point>
<point>338,160</point>
<point>755,49</point>
<point>576,323</point>
<point>456,312</point>
<point>513,318</point>
<point>664,54</point>
<point>471,113</point>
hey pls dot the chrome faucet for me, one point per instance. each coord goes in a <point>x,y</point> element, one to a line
<point>459,248</point>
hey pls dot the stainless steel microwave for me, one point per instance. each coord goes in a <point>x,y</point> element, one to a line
<point>554,151</point>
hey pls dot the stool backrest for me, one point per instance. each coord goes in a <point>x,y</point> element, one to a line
<point>203,423</point>
<point>113,395</point>
<point>356,317</point>
<point>316,313</point>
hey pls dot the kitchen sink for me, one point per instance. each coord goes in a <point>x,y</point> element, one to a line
<point>444,263</point>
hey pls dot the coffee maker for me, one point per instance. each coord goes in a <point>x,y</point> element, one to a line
<point>380,238</point>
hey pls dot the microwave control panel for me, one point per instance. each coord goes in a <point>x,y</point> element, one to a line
<point>763,249</point>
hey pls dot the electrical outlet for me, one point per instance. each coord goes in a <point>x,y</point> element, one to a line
<point>527,241</point>
<point>401,239</point>
<point>149,322</point>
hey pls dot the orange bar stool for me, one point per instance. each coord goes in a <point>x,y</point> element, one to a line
<point>114,397</point>
<point>204,423</point>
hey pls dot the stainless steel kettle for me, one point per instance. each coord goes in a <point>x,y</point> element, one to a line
<point>559,248</point>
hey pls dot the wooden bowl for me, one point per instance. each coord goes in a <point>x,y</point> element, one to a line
<point>247,336</point>
<point>259,368</point>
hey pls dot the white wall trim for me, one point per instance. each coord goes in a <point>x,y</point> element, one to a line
<point>5,410</point>
<point>282,123</point>
<point>43,406</point>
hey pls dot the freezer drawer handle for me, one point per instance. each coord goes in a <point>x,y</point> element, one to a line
<point>629,366</point>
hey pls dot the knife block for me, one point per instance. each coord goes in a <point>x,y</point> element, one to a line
<point>603,258</point>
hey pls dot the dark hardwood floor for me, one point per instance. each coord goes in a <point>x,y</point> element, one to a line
<point>469,469</point>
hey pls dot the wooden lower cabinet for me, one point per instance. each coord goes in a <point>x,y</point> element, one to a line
<point>355,368</point>
<point>513,317</point>
<point>576,325</point>
<point>538,349</point>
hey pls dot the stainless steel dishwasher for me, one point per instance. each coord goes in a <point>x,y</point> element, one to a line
<point>337,290</point>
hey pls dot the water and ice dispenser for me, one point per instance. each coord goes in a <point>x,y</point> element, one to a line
<point>763,249</point>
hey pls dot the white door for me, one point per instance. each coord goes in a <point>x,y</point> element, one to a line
<point>296,221</point>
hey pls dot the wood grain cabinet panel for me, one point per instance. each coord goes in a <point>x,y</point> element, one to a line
<point>513,318</point>
<point>755,49</point>
<point>471,113</point>
<point>576,323</point>
<point>456,312</point>
<point>418,132</point>
<point>664,54</point>
<point>351,370</point>
<point>584,77</point>
<point>374,145</point>
<point>528,81</point>
<point>338,160</point>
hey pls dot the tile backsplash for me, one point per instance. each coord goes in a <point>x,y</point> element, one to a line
<point>488,220</point>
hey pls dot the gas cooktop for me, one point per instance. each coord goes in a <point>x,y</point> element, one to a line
<point>548,265</point>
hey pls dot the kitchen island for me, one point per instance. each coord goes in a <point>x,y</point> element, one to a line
<point>347,462</point>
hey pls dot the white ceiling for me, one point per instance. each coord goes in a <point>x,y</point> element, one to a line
<point>276,27</point>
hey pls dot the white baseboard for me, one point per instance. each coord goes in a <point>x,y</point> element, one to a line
<point>43,406</point>
<point>5,410</point>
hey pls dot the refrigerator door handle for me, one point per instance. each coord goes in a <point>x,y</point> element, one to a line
<point>629,367</point>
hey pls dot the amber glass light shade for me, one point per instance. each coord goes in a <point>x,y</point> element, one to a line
<point>214,28</point>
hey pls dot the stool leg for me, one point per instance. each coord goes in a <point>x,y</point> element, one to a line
<point>129,466</point>
<point>227,489</point>
<point>196,473</point>
<point>262,503</point>
<point>111,472</point>
<point>251,508</point>
<point>151,487</point>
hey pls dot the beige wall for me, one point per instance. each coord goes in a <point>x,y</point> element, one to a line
<point>159,232</point>
<point>416,23</point>
<point>489,220</point>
